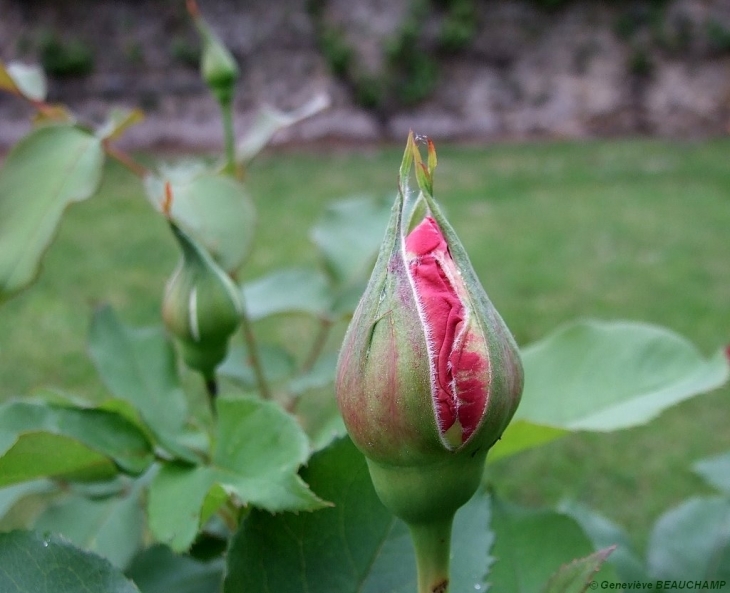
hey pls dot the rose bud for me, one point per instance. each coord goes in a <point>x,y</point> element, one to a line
<point>201,306</point>
<point>428,376</point>
<point>218,67</point>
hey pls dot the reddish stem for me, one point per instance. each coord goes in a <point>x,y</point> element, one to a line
<point>126,160</point>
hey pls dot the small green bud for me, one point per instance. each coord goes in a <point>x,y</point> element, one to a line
<point>218,67</point>
<point>201,307</point>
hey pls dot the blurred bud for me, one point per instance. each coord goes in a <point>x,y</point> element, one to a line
<point>429,376</point>
<point>201,307</point>
<point>218,67</point>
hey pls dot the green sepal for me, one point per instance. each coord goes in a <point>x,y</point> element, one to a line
<point>384,359</point>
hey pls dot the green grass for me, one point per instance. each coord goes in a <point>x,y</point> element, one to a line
<point>631,229</point>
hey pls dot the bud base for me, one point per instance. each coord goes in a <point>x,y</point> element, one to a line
<point>425,494</point>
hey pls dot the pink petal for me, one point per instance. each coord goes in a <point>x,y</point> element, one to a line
<point>461,373</point>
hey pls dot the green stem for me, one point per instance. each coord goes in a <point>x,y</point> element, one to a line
<point>432,542</point>
<point>227,117</point>
<point>253,356</point>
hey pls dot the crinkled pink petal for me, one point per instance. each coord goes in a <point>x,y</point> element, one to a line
<point>460,377</point>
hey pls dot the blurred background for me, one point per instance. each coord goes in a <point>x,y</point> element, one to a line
<point>452,69</point>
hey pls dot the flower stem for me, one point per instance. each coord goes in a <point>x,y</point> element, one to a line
<point>227,117</point>
<point>253,356</point>
<point>211,388</point>
<point>318,345</point>
<point>432,542</point>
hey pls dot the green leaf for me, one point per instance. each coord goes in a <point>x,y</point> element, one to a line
<point>530,544</point>
<point>604,376</point>
<point>294,290</point>
<point>258,449</point>
<point>276,362</point>
<point>716,471</point>
<point>609,376</point>
<point>111,527</point>
<point>41,454</point>
<point>45,172</point>
<point>269,121</point>
<point>577,576</point>
<point>354,546</point>
<point>93,434</point>
<point>332,550</point>
<point>692,541</point>
<point>521,435</point>
<point>320,417</point>
<point>159,570</point>
<point>31,563</point>
<point>213,208</point>
<point>472,540</point>
<point>603,533</point>
<point>348,236</point>
<point>29,81</point>
<point>139,366</point>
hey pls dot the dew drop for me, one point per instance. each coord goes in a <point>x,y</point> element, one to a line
<point>478,587</point>
<point>45,544</point>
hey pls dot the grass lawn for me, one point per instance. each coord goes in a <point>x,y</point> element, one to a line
<point>631,229</point>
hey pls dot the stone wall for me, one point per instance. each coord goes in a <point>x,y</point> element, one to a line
<point>588,69</point>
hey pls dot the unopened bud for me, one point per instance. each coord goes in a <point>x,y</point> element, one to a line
<point>218,67</point>
<point>201,307</point>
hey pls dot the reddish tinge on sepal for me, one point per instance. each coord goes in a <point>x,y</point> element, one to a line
<point>459,357</point>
